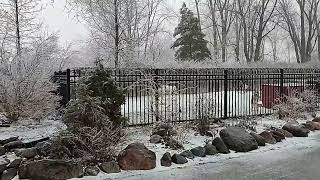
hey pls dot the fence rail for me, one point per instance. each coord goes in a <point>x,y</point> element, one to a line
<point>189,94</point>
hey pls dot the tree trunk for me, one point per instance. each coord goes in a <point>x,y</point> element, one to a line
<point>214,30</point>
<point>116,39</point>
<point>237,48</point>
<point>198,12</point>
<point>18,38</point>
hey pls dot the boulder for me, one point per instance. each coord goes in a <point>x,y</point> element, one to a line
<point>3,164</point>
<point>315,125</point>
<point>308,126</point>
<point>26,153</point>
<point>155,139</point>
<point>15,163</point>
<point>2,150</point>
<point>238,139</point>
<point>260,140</point>
<point>317,119</point>
<point>110,167</point>
<point>187,154</point>
<point>296,130</point>
<point>166,160</point>
<point>284,132</point>
<point>91,171</point>
<point>268,137</point>
<point>50,170</point>
<point>9,174</point>
<point>220,146</point>
<point>14,145</point>
<point>210,149</point>
<point>137,157</point>
<point>6,141</point>
<point>199,151</point>
<point>178,159</point>
<point>278,136</point>
<point>164,129</point>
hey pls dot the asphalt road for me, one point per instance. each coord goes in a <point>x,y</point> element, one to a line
<point>299,161</point>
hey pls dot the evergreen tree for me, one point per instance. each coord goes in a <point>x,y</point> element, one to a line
<point>191,43</point>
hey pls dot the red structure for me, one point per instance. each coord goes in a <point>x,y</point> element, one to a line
<point>271,92</point>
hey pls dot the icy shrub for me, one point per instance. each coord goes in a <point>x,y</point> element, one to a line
<point>25,87</point>
<point>297,104</point>
<point>90,130</point>
<point>111,97</point>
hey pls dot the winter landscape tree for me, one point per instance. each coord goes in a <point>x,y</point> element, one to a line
<point>190,43</point>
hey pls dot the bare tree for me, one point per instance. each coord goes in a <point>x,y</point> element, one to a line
<point>257,21</point>
<point>305,20</point>
<point>225,9</point>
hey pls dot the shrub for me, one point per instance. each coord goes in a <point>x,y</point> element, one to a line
<point>297,104</point>
<point>111,97</point>
<point>90,129</point>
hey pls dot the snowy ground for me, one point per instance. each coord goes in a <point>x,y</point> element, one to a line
<point>28,130</point>
<point>184,106</point>
<point>143,135</point>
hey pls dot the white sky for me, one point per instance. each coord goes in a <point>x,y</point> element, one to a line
<point>70,29</point>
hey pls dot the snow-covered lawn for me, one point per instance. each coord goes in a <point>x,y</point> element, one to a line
<point>183,106</point>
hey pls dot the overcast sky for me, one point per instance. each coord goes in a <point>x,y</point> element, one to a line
<point>70,29</point>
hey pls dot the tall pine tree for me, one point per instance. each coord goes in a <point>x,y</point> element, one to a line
<point>190,43</point>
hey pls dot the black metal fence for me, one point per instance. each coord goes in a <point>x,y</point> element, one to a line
<point>190,94</point>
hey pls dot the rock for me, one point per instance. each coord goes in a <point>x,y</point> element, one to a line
<point>91,171</point>
<point>199,151</point>
<point>315,125</point>
<point>178,159</point>
<point>15,163</point>
<point>9,174</point>
<point>14,145</point>
<point>164,129</point>
<point>110,167</point>
<point>44,148</point>
<point>210,149</point>
<point>26,153</point>
<point>284,132</point>
<point>2,150</point>
<point>278,136</point>
<point>3,164</point>
<point>137,157</point>
<point>155,139</point>
<point>308,126</point>
<point>260,140</point>
<point>317,119</point>
<point>166,160</point>
<point>238,139</point>
<point>187,154</point>
<point>6,141</point>
<point>268,137</point>
<point>50,169</point>
<point>296,130</point>
<point>33,143</point>
<point>220,146</point>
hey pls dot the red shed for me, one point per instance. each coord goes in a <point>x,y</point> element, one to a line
<point>271,92</point>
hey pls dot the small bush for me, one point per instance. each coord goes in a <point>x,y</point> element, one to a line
<point>297,104</point>
<point>204,111</point>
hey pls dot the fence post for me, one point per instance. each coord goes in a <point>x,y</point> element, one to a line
<point>68,86</point>
<point>281,84</point>
<point>156,81</point>
<point>225,96</point>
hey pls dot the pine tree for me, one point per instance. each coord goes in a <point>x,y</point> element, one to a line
<point>191,43</point>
